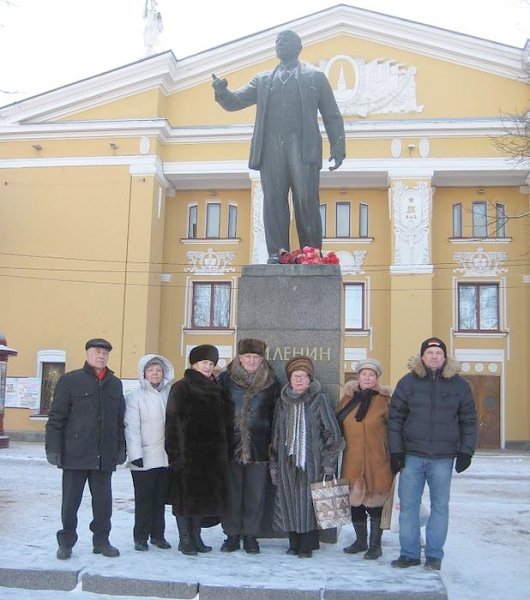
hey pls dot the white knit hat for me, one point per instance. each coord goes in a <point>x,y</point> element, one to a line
<point>369,363</point>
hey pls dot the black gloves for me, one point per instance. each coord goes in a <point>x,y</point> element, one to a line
<point>139,462</point>
<point>463,461</point>
<point>397,462</point>
<point>54,458</point>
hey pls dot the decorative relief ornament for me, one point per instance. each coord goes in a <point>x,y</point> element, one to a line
<point>480,263</point>
<point>259,246</point>
<point>210,262</point>
<point>145,145</point>
<point>351,263</point>
<point>411,210</point>
<point>395,147</point>
<point>425,147</point>
<point>377,87</point>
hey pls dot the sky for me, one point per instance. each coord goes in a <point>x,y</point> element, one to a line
<point>486,553</point>
<point>45,44</point>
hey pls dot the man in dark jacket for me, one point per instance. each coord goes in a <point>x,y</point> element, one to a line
<point>432,420</point>
<point>287,144</point>
<point>251,384</point>
<point>85,438</point>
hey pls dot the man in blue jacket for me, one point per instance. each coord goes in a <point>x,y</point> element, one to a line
<point>287,145</point>
<point>85,438</point>
<point>432,420</point>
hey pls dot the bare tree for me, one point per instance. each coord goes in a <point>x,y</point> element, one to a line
<point>515,140</point>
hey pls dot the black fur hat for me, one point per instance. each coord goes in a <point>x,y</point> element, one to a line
<point>251,346</point>
<point>204,352</point>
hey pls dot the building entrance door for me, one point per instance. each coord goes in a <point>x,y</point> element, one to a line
<point>486,391</point>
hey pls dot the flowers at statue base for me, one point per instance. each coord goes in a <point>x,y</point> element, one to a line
<point>308,256</point>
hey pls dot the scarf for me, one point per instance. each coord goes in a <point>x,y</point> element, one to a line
<point>253,384</point>
<point>365,398</point>
<point>295,439</point>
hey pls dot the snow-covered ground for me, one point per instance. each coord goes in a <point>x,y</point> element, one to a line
<point>487,552</point>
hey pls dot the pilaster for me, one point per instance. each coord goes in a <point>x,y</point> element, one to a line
<point>411,309</point>
<point>142,290</point>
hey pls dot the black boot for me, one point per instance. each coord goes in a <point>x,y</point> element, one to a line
<point>360,544</point>
<point>231,544</point>
<point>375,540</point>
<point>185,527</point>
<point>200,546</point>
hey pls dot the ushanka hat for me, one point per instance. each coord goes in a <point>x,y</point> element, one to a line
<point>98,343</point>
<point>369,363</point>
<point>300,363</point>
<point>433,342</point>
<point>251,346</point>
<point>204,352</point>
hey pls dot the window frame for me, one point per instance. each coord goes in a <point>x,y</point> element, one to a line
<point>231,222</point>
<point>477,311</point>
<point>476,217</point>
<point>364,220</point>
<point>457,220</point>
<point>324,218</point>
<point>500,220</point>
<point>337,206</point>
<point>362,309</point>
<point>207,233</point>
<point>212,285</point>
<point>193,209</point>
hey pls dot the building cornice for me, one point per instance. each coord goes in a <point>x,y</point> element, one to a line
<point>354,173</point>
<point>160,128</point>
<point>164,72</point>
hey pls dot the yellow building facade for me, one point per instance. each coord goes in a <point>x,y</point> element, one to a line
<point>127,211</point>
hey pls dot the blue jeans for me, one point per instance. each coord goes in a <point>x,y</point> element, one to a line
<point>437,472</point>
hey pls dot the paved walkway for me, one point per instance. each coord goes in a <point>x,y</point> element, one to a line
<point>29,517</point>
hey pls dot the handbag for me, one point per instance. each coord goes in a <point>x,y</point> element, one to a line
<point>331,501</point>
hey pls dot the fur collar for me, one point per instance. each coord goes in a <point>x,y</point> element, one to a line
<point>289,397</point>
<point>351,386</point>
<point>263,378</point>
<point>450,368</point>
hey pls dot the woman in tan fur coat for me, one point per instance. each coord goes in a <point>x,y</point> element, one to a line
<point>362,414</point>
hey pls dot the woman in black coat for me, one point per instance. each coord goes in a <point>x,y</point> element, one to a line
<point>199,425</point>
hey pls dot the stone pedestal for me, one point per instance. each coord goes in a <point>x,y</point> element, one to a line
<point>295,309</point>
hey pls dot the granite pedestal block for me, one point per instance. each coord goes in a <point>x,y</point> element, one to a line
<point>295,309</point>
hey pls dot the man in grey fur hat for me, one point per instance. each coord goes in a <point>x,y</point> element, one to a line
<point>251,384</point>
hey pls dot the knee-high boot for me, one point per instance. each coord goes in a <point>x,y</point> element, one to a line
<point>360,544</point>
<point>200,546</point>
<point>185,527</point>
<point>375,540</point>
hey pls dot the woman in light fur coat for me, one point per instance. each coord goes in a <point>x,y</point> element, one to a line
<point>145,417</point>
<point>363,413</point>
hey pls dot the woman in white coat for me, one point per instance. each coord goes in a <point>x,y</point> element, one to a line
<point>145,417</point>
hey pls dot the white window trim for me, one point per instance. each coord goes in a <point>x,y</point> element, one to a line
<point>187,225</point>
<point>503,313</point>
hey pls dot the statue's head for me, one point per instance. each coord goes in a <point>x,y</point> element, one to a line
<point>288,45</point>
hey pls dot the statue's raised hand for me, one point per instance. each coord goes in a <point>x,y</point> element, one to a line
<point>219,85</point>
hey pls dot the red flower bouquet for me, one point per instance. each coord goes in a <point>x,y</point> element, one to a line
<point>308,256</point>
